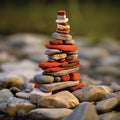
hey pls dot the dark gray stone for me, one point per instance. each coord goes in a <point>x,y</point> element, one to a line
<point>85,111</point>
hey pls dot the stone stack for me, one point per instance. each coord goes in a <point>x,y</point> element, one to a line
<point>60,72</point>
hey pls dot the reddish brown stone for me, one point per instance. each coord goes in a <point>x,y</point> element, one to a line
<point>76,87</point>
<point>45,65</point>
<point>61,12</point>
<point>56,42</point>
<point>70,48</point>
<point>37,85</point>
<point>65,77</point>
<point>75,76</point>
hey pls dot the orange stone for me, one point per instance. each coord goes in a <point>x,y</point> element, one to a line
<point>75,76</point>
<point>65,78</point>
<point>56,42</point>
<point>76,87</point>
<point>70,48</point>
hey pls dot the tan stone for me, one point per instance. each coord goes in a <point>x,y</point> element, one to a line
<point>62,99</point>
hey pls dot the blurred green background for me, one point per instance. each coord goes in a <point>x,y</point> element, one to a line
<point>92,18</point>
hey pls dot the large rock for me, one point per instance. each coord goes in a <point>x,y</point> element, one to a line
<point>63,72</point>
<point>62,99</point>
<point>58,85</point>
<point>85,111</point>
<point>92,93</point>
<point>49,114</point>
<point>110,116</point>
<point>106,105</point>
<point>15,104</point>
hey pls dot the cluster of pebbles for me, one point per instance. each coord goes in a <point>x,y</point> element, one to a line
<point>57,93</point>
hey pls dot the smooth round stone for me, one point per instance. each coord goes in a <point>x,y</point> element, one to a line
<point>23,95</point>
<point>58,56</point>
<point>69,42</point>
<point>14,90</point>
<point>49,113</point>
<point>52,51</point>
<point>13,81</point>
<point>39,78</point>
<point>60,36</point>
<point>71,57</point>
<point>106,105</point>
<point>57,79</point>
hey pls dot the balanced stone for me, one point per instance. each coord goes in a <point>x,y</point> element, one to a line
<point>58,85</point>
<point>75,52</point>
<point>52,51</point>
<point>58,56</point>
<point>73,56</point>
<point>63,72</point>
<point>69,42</point>
<point>39,78</point>
<point>60,36</point>
<point>57,79</point>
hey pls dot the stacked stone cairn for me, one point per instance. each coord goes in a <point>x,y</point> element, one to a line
<point>60,72</point>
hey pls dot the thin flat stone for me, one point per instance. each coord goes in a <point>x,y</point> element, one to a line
<point>58,56</point>
<point>60,36</point>
<point>39,78</point>
<point>58,86</point>
<point>52,51</point>
<point>69,42</point>
<point>63,72</point>
<point>71,57</point>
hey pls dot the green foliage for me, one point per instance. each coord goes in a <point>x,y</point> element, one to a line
<point>88,18</point>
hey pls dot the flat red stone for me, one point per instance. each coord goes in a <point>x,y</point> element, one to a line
<point>56,69</point>
<point>45,65</point>
<point>65,78</point>
<point>61,12</point>
<point>75,76</point>
<point>76,87</point>
<point>70,48</point>
<point>56,42</point>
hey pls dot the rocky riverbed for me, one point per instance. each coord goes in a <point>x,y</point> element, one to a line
<point>100,71</point>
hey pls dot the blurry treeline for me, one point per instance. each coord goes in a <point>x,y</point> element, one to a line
<point>93,18</point>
